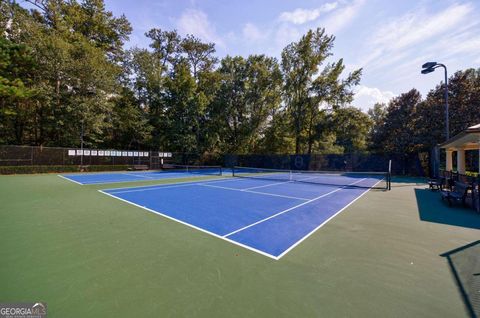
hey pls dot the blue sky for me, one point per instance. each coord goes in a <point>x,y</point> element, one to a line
<point>390,40</point>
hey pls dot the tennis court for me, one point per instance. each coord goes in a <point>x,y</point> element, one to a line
<point>386,248</point>
<point>267,211</point>
<point>175,171</point>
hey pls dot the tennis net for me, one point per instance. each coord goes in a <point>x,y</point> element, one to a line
<point>194,169</point>
<point>369,180</point>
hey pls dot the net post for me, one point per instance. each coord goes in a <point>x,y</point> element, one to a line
<point>389,183</point>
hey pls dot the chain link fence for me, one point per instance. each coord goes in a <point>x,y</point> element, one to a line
<point>423,164</point>
<point>412,164</point>
<point>56,156</point>
<point>18,159</point>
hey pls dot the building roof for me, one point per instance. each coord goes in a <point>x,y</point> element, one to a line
<point>469,139</point>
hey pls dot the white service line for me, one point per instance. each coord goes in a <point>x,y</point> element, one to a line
<point>292,208</point>
<point>166,185</point>
<point>154,188</point>
<point>256,192</point>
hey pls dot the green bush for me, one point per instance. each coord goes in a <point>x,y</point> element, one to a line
<point>471,174</point>
<point>52,169</point>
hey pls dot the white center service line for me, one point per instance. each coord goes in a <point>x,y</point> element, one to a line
<point>268,185</point>
<point>292,208</point>
<point>256,192</point>
<point>138,175</point>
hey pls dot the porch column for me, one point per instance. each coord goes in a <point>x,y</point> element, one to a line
<point>461,161</point>
<point>448,164</point>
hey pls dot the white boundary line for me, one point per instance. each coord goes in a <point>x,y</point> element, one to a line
<point>290,209</point>
<point>192,226</point>
<point>152,179</point>
<point>256,192</point>
<point>71,180</point>
<point>167,186</point>
<point>324,222</point>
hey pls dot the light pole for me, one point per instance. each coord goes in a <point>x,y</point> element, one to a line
<point>428,68</point>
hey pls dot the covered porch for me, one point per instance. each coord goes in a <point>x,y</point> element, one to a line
<point>467,140</point>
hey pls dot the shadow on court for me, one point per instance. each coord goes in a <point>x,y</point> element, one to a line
<point>432,209</point>
<point>465,267</point>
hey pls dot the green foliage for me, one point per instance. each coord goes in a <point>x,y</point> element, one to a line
<point>307,87</point>
<point>16,90</point>
<point>396,134</point>
<point>63,67</point>
<point>277,138</point>
<point>181,109</point>
<point>464,98</point>
<point>16,65</point>
<point>409,124</point>
<point>249,93</point>
<point>75,48</point>
<point>351,127</point>
<point>129,126</point>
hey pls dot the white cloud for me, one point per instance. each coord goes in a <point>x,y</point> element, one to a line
<point>196,22</point>
<point>392,40</point>
<point>397,49</point>
<point>286,34</point>
<point>341,17</point>
<point>415,28</point>
<point>366,97</point>
<point>252,33</point>
<point>301,16</point>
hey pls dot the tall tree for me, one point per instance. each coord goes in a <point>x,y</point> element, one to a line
<point>76,48</point>
<point>397,135</point>
<point>16,90</point>
<point>129,123</point>
<point>181,109</point>
<point>199,54</point>
<point>464,98</point>
<point>200,57</point>
<point>351,128</point>
<point>377,114</point>
<point>306,87</point>
<point>249,93</point>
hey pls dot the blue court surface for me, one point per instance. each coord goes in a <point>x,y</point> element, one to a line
<point>114,177</point>
<point>268,217</point>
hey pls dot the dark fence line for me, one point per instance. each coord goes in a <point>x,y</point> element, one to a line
<point>415,164</point>
<point>412,164</point>
<point>49,156</point>
<point>11,156</point>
